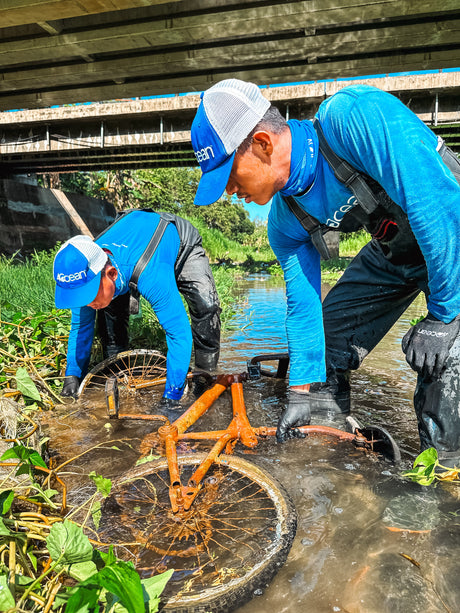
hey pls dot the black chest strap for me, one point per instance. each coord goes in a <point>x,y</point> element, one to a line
<point>346,174</point>
<point>142,263</point>
<point>357,183</point>
<point>311,225</point>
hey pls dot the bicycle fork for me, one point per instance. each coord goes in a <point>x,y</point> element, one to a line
<point>182,496</point>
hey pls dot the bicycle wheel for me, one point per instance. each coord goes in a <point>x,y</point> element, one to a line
<point>132,369</point>
<point>231,542</point>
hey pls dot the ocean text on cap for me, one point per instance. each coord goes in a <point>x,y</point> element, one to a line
<point>203,154</point>
<point>69,278</point>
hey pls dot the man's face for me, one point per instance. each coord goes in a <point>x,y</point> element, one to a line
<point>106,289</point>
<point>254,176</point>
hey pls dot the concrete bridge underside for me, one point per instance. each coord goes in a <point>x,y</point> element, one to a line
<point>60,52</point>
<point>156,132</point>
<point>55,52</point>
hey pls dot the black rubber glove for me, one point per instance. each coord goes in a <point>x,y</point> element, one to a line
<point>297,413</point>
<point>427,345</point>
<point>70,387</point>
<point>169,404</point>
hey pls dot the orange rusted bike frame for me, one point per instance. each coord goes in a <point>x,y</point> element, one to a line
<point>239,429</point>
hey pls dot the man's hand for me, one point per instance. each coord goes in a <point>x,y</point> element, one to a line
<point>70,387</point>
<point>427,345</point>
<point>297,413</point>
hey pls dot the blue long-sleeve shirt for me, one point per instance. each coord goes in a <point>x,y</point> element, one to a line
<point>126,241</point>
<point>380,136</point>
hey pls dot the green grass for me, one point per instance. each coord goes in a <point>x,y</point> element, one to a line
<point>27,286</point>
<point>351,244</point>
<point>220,248</point>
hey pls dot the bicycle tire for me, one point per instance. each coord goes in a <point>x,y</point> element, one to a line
<point>255,560</point>
<point>128,367</point>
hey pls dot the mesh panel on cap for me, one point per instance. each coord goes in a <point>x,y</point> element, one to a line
<point>234,108</point>
<point>94,254</point>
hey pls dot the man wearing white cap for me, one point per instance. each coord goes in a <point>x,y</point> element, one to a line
<point>99,275</point>
<point>365,161</point>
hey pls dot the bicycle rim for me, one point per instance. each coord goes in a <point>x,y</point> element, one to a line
<point>233,540</point>
<point>131,368</point>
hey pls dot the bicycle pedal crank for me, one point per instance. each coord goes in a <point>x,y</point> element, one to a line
<point>182,496</point>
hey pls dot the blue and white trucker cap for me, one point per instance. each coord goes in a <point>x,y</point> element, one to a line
<point>77,271</point>
<point>227,113</point>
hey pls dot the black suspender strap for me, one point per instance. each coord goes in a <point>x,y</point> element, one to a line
<point>311,225</point>
<point>148,253</point>
<point>142,263</point>
<point>346,174</point>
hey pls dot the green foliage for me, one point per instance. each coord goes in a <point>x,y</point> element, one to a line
<point>164,189</point>
<point>103,582</point>
<point>332,269</point>
<point>67,544</point>
<point>25,384</point>
<point>103,485</point>
<point>29,462</point>
<point>424,470</point>
<point>27,285</point>
<point>33,350</point>
<point>108,580</point>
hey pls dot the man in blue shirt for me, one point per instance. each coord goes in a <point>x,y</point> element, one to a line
<point>409,200</point>
<point>94,276</point>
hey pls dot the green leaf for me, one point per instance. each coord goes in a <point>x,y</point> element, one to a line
<point>96,513</point>
<point>6,597</point>
<point>427,457</point>
<point>103,485</point>
<point>6,500</point>
<point>153,588</point>
<point>122,580</point>
<point>109,557</point>
<point>81,571</point>
<point>25,455</point>
<point>67,543</point>
<point>84,599</point>
<point>147,458</point>
<point>25,384</point>
<point>33,560</point>
<point>4,531</point>
<point>421,475</point>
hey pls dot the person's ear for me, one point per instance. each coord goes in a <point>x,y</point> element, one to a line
<point>112,273</point>
<point>263,143</point>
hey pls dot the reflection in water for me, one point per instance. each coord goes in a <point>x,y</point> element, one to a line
<point>367,541</point>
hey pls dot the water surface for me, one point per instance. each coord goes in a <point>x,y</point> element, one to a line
<point>367,541</point>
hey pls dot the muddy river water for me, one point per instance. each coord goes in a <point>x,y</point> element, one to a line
<point>367,541</point>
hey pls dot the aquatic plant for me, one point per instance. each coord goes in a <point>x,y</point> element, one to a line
<point>425,470</point>
<point>47,562</point>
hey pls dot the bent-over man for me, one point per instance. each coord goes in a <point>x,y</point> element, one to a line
<point>366,161</point>
<point>95,276</point>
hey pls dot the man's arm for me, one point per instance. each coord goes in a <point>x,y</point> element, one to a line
<point>302,273</point>
<point>80,341</point>
<point>160,289</point>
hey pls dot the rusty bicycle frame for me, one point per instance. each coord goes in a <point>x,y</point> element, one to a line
<point>239,429</point>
